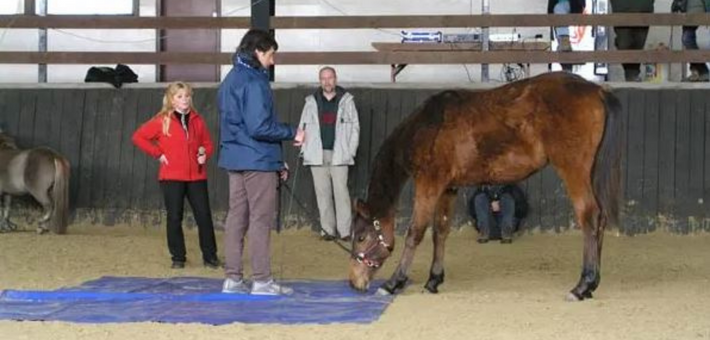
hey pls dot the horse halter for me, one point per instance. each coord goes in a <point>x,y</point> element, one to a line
<point>362,257</point>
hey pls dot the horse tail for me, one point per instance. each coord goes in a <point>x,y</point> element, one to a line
<point>60,196</point>
<point>606,174</point>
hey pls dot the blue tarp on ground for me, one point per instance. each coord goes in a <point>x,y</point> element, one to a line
<point>192,299</point>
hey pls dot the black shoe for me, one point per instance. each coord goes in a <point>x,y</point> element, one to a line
<point>346,239</point>
<point>327,237</point>
<point>178,265</point>
<point>506,240</point>
<point>213,264</point>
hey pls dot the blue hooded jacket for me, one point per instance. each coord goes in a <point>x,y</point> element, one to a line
<point>250,134</point>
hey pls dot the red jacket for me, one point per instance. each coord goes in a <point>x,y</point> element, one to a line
<point>179,148</point>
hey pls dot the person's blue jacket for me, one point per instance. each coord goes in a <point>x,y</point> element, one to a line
<point>251,135</point>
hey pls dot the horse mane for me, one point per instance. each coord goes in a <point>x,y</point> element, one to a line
<point>394,161</point>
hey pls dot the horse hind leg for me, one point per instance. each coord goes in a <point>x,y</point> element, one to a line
<point>44,220</point>
<point>440,232</point>
<point>587,211</point>
<point>47,206</point>
<point>425,200</point>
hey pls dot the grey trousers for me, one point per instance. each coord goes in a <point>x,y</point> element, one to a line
<point>332,196</point>
<point>253,200</point>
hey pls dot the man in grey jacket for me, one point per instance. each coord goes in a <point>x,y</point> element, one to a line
<point>332,128</point>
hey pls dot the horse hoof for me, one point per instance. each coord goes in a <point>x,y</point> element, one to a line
<point>383,292</point>
<point>574,297</point>
<point>571,297</point>
<point>432,288</point>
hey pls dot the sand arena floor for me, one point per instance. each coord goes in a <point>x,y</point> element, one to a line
<point>654,286</point>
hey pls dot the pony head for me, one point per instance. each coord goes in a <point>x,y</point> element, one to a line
<point>370,247</point>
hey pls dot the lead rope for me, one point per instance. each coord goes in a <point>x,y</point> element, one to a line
<point>283,220</point>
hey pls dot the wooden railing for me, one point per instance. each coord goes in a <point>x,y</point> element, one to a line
<point>356,22</point>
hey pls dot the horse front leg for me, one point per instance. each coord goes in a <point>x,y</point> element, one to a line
<point>5,224</point>
<point>424,206</point>
<point>441,230</point>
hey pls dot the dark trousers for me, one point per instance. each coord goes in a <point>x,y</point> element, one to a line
<point>503,219</point>
<point>631,38</point>
<point>174,193</point>
<point>690,42</point>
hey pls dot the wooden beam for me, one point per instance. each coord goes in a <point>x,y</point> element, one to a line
<point>494,20</point>
<point>349,58</point>
<point>530,45</point>
<point>353,22</point>
<point>121,22</point>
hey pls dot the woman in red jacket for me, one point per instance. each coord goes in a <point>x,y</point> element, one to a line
<point>178,138</point>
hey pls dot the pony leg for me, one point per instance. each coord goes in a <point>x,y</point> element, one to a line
<point>5,214</point>
<point>47,206</point>
<point>440,233</point>
<point>424,206</point>
<point>5,223</point>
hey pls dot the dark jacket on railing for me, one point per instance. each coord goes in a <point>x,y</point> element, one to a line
<point>576,6</point>
<point>632,6</point>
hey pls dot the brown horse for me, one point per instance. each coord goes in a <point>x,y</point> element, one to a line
<point>461,138</point>
<point>41,172</point>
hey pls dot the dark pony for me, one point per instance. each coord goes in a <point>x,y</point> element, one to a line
<point>461,138</point>
<point>40,172</point>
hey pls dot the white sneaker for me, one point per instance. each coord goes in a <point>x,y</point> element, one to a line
<point>232,286</point>
<point>269,288</point>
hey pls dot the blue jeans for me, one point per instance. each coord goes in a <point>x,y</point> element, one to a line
<point>562,8</point>
<point>504,219</point>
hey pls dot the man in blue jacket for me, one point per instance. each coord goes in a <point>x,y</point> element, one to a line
<point>250,150</point>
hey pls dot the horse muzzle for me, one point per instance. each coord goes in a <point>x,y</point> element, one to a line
<point>360,275</point>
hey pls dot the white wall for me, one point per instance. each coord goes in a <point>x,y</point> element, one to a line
<point>66,40</point>
<point>305,40</point>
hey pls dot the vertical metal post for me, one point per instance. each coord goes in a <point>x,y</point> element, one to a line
<point>261,13</point>
<point>158,40</point>
<point>42,43</point>
<point>485,9</point>
<point>30,7</point>
<point>136,8</point>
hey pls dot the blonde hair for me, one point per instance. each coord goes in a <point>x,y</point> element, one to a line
<point>168,108</point>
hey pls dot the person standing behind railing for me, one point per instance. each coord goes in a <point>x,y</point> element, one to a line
<point>698,71</point>
<point>631,38</point>
<point>562,32</point>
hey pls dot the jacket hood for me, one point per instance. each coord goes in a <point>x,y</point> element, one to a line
<point>245,60</point>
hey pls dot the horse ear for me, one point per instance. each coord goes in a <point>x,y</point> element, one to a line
<point>361,208</point>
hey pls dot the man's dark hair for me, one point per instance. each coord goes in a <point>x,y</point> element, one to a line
<point>257,39</point>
